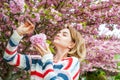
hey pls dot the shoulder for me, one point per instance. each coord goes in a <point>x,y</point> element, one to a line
<point>71,59</point>
<point>75,58</point>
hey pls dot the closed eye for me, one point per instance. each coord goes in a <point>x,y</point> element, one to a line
<point>64,34</point>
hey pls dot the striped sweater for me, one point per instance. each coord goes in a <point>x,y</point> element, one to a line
<point>41,68</point>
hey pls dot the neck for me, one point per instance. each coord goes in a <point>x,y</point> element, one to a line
<point>61,53</point>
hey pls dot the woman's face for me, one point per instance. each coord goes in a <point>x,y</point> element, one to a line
<point>63,39</point>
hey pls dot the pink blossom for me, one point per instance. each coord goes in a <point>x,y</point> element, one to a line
<point>37,17</point>
<point>79,26</point>
<point>57,18</point>
<point>39,39</point>
<point>17,6</point>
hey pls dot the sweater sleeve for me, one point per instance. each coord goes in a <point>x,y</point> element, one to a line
<point>12,56</point>
<point>70,71</point>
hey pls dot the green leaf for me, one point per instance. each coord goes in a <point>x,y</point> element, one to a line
<point>52,50</point>
<point>33,16</point>
<point>84,24</point>
<point>47,11</point>
<point>48,41</point>
<point>59,14</point>
<point>49,17</point>
<point>117,56</point>
<point>25,6</point>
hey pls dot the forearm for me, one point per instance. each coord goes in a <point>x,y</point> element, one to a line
<point>12,45</point>
<point>10,55</point>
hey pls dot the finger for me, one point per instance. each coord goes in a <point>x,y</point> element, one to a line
<point>30,29</point>
<point>29,22</point>
<point>47,46</point>
<point>26,23</point>
<point>37,48</point>
<point>42,49</point>
<point>22,24</point>
<point>32,26</point>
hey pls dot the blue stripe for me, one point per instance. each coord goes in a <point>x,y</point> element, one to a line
<point>27,63</point>
<point>47,63</point>
<point>35,61</point>
<point>53,78</point>
<point>58,66</point>
<point>63,76</point>
<point>9,59</point>
<point>11,43</point>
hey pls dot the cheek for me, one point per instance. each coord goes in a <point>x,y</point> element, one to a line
<point>63,42</point>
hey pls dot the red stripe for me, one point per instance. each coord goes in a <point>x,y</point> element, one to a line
<point>49,70</point>
<point>36,73</point>
<point>10,52</point>
<point>40,74</point>
<point>18,60</point>
<point>76,74</point>
<point>70,60</point>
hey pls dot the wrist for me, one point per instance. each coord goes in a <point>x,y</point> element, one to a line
<point>15,38</point>
<point>20,33</point>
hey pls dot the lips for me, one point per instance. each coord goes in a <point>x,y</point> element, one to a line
<point>56,38</point>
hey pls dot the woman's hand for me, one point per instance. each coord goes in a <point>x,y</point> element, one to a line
<point>42,50</point>
<point>25,28</point>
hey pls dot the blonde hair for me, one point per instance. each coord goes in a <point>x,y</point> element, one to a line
<point>79,50</point>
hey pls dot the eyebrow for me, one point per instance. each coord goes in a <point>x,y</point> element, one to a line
<point>64,32</point>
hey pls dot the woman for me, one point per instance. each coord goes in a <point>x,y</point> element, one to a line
<point>65,65</point>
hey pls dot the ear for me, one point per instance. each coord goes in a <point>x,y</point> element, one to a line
<point>71,45</point>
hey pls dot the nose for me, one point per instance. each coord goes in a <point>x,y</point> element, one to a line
<point>58,34</point>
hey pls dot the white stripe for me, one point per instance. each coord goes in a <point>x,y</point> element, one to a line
<point>16,37</point>
<point>38,68</point>
<point>13,62</point>
<point>10,48</point>
<point>22,61</point>
<point>50,75</point>
<point>34,77</point>
<point>7,56</point>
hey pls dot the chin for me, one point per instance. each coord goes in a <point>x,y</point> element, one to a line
<point>58,44</point>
